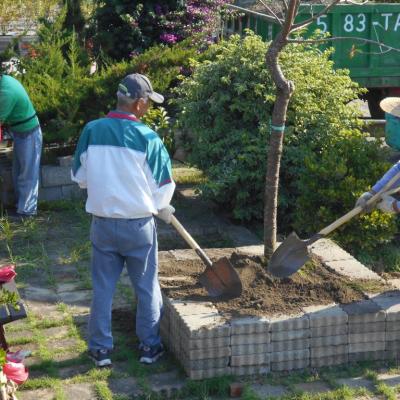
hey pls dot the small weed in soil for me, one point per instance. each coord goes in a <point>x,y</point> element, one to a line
<point>263,294</point>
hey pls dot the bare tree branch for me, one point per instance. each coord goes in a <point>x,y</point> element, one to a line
<point>309,21</point>
<point>290,16</point>
<point>331,39</point>
<point>255,13</point>
<point>285,5</point>
<point>270,10</point>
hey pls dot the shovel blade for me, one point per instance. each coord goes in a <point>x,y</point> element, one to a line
<point>289,257</point>
<point>221,279</point>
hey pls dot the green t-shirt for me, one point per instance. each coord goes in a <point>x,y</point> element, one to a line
<point>15,106</point>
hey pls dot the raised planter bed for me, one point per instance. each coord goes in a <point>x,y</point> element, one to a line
<point>210,340</point>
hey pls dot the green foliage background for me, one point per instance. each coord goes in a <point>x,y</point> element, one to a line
<point>56,76</point>
<point>327,163</point>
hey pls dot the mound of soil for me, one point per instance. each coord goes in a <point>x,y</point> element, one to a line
<point>262,294</point>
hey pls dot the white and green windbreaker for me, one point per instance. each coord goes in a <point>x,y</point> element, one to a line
<point>124,166</point>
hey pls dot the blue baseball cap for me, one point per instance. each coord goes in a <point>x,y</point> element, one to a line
<point>138,86</point>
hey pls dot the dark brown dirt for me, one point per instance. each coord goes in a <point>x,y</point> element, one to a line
<point>262,294</point>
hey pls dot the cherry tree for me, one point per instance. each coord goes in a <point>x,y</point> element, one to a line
<point>285,18</point>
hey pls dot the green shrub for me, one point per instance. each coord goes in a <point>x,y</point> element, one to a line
<point>158,120</point>
<point>162,64</point>
<point>226,107</point>
<point>55,74</point>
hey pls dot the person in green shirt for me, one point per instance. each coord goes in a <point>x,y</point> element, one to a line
<point>18,115</point>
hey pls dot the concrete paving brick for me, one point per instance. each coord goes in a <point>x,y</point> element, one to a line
<point>251,349</point>
<point>251,359</point>
<point>330,360</point>
<point>55,176</point>
<point>197,344</point>
<point>252,250</point>
<point>209,363</point>
<point>368,356</point>
<point>290,365</point>
<point>327,250</point>
<point>50,193</point>
<point>288,345</point>
<point>72,192</point>
<point>368,327</point>
<point>265,391</point>
<point>357,383</point>
<point>329,340</point>
<point>289,322</point>
<point>184,255</point>
<point>392,335</point>
<point>215,352</point>
<point>208,373</point>
<point>205,326</point>
<point>255,338</point>
<point>352,269</point>
<point>82,391</point>
<point>390,303</point>
<point>42,394</point>
<point>80,297</point>
<point>366,347</point>
<point>165,336</point>
<point>251,370</point>
<point>326,351</point>
<point>333,330</point>
<point>394,282</point>
<point>392,355</point>
<point>282,356</point>
<point>392,326</point>
<point>363,312</point>
<point>355,338</point>
<point>249,325</point>
<point>193,307</point>
<point>391,380</point>
<point>290,335</point>
<point>166,384</point>
<point>326,315</point>
<point>312,387</point>
<point>393,345</point>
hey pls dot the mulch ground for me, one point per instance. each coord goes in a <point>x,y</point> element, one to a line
<point>262,294</point>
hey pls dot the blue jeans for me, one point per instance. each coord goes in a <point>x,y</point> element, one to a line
<point>115,243</point>
<point>26,169</point>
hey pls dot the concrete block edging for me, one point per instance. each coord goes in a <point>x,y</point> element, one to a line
<point>322,335</point>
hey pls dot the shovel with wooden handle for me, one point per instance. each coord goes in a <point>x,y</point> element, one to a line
<point>292,254</point>
<point>219,278</point>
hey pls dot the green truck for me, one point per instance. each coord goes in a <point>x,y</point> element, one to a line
<point>373,66</point>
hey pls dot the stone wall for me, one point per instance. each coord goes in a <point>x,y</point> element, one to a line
<point>56,183</point>
<point>55,180</point>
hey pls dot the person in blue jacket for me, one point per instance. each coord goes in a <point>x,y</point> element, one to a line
<point>126,170</point>
<point>389,204</point>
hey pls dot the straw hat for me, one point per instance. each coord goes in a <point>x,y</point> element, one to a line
<point>391,105</point>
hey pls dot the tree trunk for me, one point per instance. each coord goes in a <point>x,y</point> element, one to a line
<point>284,90</point>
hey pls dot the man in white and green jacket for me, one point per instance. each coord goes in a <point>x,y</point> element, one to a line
<point>127,172</point>
<point>18,115</point>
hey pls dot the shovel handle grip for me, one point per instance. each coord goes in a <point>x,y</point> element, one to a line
<point>190,241</point>
<point>336,224</point>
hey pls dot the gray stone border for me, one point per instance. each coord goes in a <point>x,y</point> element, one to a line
<point>209,345</point>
